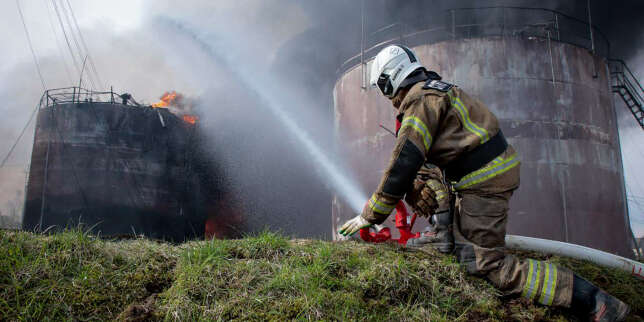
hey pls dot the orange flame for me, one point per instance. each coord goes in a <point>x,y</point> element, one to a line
<point>167,99</point>
<point>192,119</point>
<point>178,105</point>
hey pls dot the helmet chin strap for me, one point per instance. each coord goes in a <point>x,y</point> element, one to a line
<point>419,75</point>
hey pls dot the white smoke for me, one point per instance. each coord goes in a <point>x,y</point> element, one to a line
<point>280,184</point>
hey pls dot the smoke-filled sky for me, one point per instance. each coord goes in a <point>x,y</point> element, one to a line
<point>147,47</point>
<point>223,54</point>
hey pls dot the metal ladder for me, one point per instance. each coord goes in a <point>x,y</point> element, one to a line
<point>628,87</point>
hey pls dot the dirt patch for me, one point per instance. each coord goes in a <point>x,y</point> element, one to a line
<point>159,286</point>
<point>141,311</point>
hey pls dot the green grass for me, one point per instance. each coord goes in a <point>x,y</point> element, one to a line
<point>74,276</point>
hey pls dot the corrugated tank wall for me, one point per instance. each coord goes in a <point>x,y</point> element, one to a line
<point>124,169</point>
<point>555,107</point>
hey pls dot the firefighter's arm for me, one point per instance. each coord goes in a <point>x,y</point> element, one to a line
<point>412,145</point>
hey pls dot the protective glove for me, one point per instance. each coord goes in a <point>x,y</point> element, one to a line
<point>353,225</point>
<point>413,195</point>
<point>422,198</point>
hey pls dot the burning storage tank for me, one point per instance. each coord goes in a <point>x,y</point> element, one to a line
<point>545,76</point>
<point>102,159</point>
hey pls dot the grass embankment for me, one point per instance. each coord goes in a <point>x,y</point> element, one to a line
<point>73,276</point>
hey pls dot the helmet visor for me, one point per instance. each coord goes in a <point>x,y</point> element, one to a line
<point>384,83</point>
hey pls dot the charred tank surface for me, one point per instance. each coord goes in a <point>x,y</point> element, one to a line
<point>120,167</point>
<point>555,107</point>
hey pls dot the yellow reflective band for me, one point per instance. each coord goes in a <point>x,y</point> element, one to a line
<point>439,190</point>
<point>380,207</point>
<point>530,289</point>
<point>528,278</point>
<point>498,166</point>
<point>544,287</point>
<point>420,127</point>
<point>549,284</point>
<point>440,195</point>
<point>535,287</point>
<point>483,135</point>
<point>432,184</point>
<point>554,285</point>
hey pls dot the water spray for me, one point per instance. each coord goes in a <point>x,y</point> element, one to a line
<point>264,88</point>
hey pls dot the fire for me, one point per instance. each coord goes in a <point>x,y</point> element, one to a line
<point>167,99</point>
<point>178,105</point>
<point>192,119</point>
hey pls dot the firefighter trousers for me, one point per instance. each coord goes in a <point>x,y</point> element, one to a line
<point>480,220</point>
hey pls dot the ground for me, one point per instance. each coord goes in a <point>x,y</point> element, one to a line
<point>77,276</point>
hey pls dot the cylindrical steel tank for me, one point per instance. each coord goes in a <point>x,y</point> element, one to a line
<point>125,169</point>
<point>555,107</point>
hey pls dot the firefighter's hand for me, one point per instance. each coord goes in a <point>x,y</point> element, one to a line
<point>353,225</point>
<point>422,198</point>
<point>414,194</point>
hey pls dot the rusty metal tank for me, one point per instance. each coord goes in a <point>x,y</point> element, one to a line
<point>555,107</point>
<point>120,168</point>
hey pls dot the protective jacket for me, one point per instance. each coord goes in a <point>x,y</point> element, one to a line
<point>442,125</point>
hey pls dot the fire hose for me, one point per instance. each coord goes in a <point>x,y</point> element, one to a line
<point>405,223</point>
<point>636,269</point>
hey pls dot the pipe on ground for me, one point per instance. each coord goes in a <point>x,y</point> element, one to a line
<point>598,257</point>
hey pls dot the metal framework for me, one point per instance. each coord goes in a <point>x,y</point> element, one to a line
<point>628,87</point>
<point>73,95</point>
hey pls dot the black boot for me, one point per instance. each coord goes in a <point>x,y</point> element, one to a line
<point>439,235</point>
<point>590,301</point>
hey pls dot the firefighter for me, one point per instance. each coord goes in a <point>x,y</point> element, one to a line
<point>443,125</point>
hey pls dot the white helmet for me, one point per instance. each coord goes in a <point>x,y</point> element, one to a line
<point>390,68</point>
